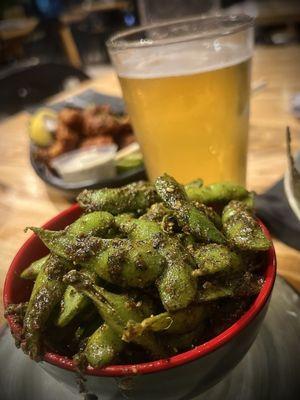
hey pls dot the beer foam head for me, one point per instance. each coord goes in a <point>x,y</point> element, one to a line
<point>178,59</point>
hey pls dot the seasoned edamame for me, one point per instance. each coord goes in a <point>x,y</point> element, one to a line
<point>140,274</point>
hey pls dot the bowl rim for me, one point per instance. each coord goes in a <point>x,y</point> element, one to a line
<point>153,366</point>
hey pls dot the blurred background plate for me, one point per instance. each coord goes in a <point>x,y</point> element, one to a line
<point>269,371</point>
<point>70,190</point>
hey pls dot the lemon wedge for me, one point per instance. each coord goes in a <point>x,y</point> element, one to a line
<point>42,125</point>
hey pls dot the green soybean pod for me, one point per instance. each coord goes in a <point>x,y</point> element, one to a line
<point>136,197</point>
<point>103,347</point>
<point>156,212</point>
<point>76,249</point>
<point>71,305</point>
<point>244,285</point>
<point>221,192</point>
<point>178,322</point>
<point>176,285</point>
<point>128,264</point>
<point>241,229</point>
<point>34,268</point>
<point>97,223</point>
<point>46,294</point>
<point>73,302</point>
<point>195,184</point>
<point>210,213</point>
<point>216,259</point>
<point>190,218</point>
<point>116,310</point>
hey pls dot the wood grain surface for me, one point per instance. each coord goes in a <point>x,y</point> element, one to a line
<point>25,200</point>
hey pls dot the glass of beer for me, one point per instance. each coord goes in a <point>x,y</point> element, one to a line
<point>186,87</point>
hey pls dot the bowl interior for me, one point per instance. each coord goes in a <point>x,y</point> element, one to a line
<point>18,290</point>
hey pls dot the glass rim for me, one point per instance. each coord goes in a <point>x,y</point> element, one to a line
<point>240,22</point>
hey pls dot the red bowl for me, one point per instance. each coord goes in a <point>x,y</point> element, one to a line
<point>17,290</point>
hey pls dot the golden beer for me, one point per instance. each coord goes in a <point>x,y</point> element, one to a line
<point>192,125</point>
<point>189,106</point>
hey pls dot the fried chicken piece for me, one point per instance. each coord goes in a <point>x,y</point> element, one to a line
<point>65,133</point>
<point>55,150</point>
<point>100,124</point>
<point>66,140</point>
<point>72,118</point>
<point>100,140</point>
<point>46,154</point>
<point>97,120</point>
<point>94,126</point>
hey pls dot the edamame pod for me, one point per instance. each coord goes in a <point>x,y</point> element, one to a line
<point>138,229</point>
<point>135,197</point>
<point>243,286</point>
<point>73,242</point>
<point>73,248</point>
<point>198,224</point>
<point>116,310</point>
<point>103,347</point>
<point>177,288</point>
<point>127,263</point>
<point>46,294</point>
<point>195,184</point>
<point>216,258</point>
<point>73,302</point>
<point>189,217</point>
<point>34,268</point>
<point>71,305</point>
<point>221,192</point>
<point>97,223</point>
<point>157,212</point>
<point>178,322</point>
<point>241,228</point>
<point>249,201</point>
<point>210,213</point>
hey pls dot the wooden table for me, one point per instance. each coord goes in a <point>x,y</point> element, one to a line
<point>25,200</point>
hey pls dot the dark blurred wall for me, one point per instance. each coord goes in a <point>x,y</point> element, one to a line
<point>227,3</point>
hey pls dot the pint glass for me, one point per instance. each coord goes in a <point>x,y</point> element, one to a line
<point>186,88</point>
